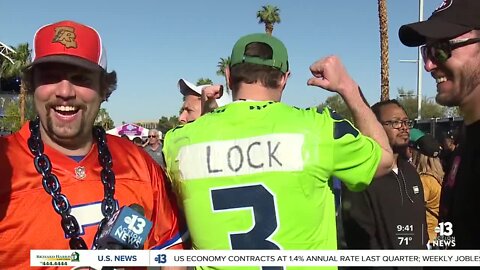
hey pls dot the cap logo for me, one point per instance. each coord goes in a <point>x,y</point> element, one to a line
<point>65,35</point>
<point>445,4</point>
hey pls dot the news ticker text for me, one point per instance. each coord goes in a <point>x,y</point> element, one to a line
<point>255,257</point>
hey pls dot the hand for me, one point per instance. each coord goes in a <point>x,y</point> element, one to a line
<point>209,96</point>
<point>329,74</point>
<point>212,92</point>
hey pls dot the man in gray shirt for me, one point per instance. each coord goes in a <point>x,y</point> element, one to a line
<point>154,147</point>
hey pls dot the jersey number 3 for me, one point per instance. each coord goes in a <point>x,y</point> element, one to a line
<point>264,211</point>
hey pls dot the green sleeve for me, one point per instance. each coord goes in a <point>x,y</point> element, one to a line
<point>355,156</point>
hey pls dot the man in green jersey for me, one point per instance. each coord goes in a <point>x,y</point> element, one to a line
<point>254,174</point>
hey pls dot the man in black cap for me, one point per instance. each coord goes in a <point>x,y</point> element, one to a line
<point>451,51</point>
<point>450,143</point>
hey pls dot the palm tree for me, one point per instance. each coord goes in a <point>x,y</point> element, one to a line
<point>11,116</point>
<point>203,81</point>
<point>268,15</point>
<point>8,70</point>
<point>103,119</point>
<point>384,69</point>
<point>222,65</point>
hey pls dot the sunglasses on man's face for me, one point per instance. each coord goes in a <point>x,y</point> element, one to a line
<point>440,51</point>
<point>152,136</point>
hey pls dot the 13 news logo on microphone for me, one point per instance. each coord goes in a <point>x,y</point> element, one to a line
<point>127,229</point>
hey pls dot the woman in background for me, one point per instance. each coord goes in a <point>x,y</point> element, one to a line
<point>425,152</point>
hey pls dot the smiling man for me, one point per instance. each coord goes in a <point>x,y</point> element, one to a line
<point>450,41</point>
<point>60,158</point>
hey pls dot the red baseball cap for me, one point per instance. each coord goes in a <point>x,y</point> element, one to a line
<point>71,43</point>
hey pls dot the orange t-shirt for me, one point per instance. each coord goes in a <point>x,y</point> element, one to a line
<point>28,220</point>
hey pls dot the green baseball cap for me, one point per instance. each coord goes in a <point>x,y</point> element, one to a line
<point>279,59</point>
<point>415,134</point>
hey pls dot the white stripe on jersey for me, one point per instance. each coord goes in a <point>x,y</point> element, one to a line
<point>268,153</point>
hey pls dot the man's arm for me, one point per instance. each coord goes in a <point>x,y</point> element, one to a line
<point>367,123</point>
<point>169,228</point>
<point>330,74</point>
<point>210,94</point>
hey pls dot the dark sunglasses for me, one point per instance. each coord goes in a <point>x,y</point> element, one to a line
<point>440,51</point>
<point>152,136</point>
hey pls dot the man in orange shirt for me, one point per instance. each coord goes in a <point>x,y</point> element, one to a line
<point>61,178</point>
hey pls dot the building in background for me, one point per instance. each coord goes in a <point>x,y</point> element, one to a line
<point>438,126</point>
<point>148,124</point>
<point>130,130</point>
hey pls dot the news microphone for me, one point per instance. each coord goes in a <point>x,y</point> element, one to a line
<point>126,229</point>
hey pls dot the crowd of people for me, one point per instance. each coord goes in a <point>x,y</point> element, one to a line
<point>252,172</point>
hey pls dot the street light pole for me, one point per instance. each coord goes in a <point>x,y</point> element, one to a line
<point>419,65</point>
<point>419,62</point>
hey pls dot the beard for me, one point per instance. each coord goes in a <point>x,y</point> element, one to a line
<point>65,131</point>
<point>401,149</point>
<point>67,135</point>
<point>469,80</point>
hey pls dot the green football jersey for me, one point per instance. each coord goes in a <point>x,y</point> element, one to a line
<point>256,175</point>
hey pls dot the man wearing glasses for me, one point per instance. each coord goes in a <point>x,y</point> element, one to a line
<point>390,213</point>
<point>452,56</point>
<point>154,147</point>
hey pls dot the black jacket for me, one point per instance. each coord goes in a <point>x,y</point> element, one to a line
<point>459,202</point>
<point>389,214</point>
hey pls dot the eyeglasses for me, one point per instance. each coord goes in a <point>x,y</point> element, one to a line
<point>152,136</point>
<point>398,124</point>
<point>440,51</point>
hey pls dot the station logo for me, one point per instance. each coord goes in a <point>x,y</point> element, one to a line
<point>445,238</point>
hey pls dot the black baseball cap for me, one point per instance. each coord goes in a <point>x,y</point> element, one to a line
<point>451,19</point>
<point>428,146</point>
<point>425,143</point>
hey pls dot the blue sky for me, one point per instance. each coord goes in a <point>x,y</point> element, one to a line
<point>151,44</point>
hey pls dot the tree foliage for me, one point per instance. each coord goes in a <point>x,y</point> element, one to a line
<point>167,123</point>
<point>203,81</point>
<point>269,15</point>
<point>21,58</point>
<point>430,109</point>
<point>104,120</point>
<point>453,112</point>
<point>221,66</point>
<point>11,112</point>
<point>337,104</point>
